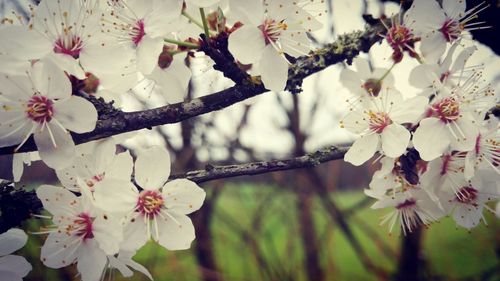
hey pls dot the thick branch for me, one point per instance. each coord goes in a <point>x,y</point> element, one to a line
<point>346,48</point>
<point>255,168</point>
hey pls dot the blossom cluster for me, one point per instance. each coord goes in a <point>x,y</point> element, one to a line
<point>440,149</point>
<point>109,205</point>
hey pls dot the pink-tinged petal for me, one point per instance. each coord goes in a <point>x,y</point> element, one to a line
<point>431,139</point>
<point>23,43</point>
<point>395,139</point>
<point>183,196</point>
<point>91,261</point>
<point>15,264</point>
<point>355,122</point>
<point>12,240</point>
<point>409,111</point>
<point>466,131</point>
<point>135,234</point>
<point>121,167</point>
<point>454,9</point>
<point>432,47</point>
<point>50,80</point>
<point>176,231</point>
<point>148,51</point>
<point>246,44</point>
<point>57,200</point>
<point>116,196</point>
<point>59,250</point>
<point>423,76</point>
<point>55,145</point>
<point>108,233</point>
<point>273,69</point>
<point>76,114</point>
<point>362,149</point>
<point>152,167</point>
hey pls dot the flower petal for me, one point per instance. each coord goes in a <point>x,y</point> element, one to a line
<point>15,264</point>
<point>362,149</point>
<point>176,231</point>
<point>152,167</point>
<point>57,200</point>
<point>246,44</point>
<point>12,240</point>
<point>91,261</point>
<point>116,196</point>
<point>409,111</point>
<point>55,145</point>
<point>147,54</point>
<point>431,138</point>
<point>76,114</point>
<point>183,196</point>
<point>395,139</point>
<point>273,69</point>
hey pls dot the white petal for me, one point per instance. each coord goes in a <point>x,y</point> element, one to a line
<point>13,66</point>
<point>147,54</point>
<point>14,128</point>
<point>135,234</point>
<point>176,231</point>
<point>431,138</point>
<point>116,196</point>
<point>273,69</point>
<point>152,167</point>
<point>362,149</point>
<point>57,152</point>
<point>66,63</point>
<point>395,139</point>
<point>423,76</point>
<point>17,166</point>
<point>59,250</point>
<point>23,43</point>
<point>183,196</point>
<point>246,44</point>
<point>351,80</point>
<point>76,114</point>
<point>409,111</point>
<point>355,122</point>
<point>12,240</point>
<point>91,261</point>
<point>57,200</point>
<point>462,58</point>
<point>468,216</point>
<point>454,9</point>
<point>16,264</point>
<point>433,47</point>
<point>50,80</point>
<point>465,139</point>
<point>121,167</point>
<point>363,68</point>
<point>108,233</point>
<point>9,276</point>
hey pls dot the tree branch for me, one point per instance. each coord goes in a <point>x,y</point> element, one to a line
<point>346,47</point>
<point>255,168</point>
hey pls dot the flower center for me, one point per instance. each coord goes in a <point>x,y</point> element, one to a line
<point>467,195</point>
<point>271,29</point>
<point>40,109</point>
<point>451,30</point>
<point>150,203</point>
<point>138,32</point>
<point>447,109</point>
<point>69,44</point>
<point>82,227</point>
<point>408,203</point>
<point>378,121</point>
<point>399,37</point>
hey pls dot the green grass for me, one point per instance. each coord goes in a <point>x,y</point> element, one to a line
<point>269,215</point>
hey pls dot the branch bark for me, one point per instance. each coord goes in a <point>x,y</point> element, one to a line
<point>255,168</point>
<point>346,47</point>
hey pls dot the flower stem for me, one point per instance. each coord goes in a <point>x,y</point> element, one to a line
<point>205,24</point>
<point>386,73</point>
<point>193,20</point>
<point>182,43</point>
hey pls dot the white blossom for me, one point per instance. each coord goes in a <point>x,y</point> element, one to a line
<point>12,267</point>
